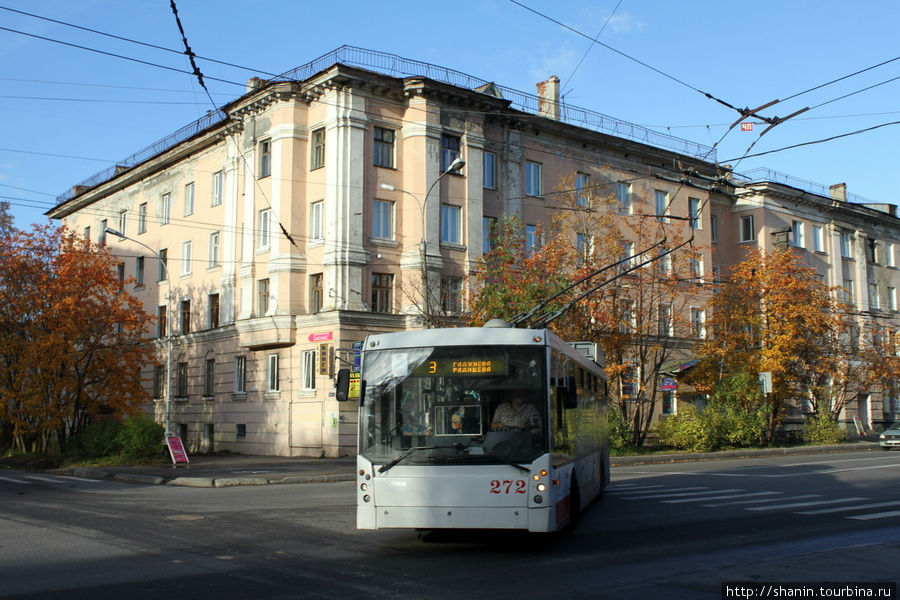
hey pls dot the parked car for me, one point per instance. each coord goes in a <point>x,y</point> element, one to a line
<point>890,437</point>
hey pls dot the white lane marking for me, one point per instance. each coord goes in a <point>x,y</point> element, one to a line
<point>704,491</point>
<point>714,497</point>
<point>802,504</point>
<point>882,515</point>
<point>633,488</point>
<point>825,511</point>
<point>664,491</point>
<point>11,480</point>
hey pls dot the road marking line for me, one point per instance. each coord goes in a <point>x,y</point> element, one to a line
<point>705,492</point>
<point>632,489</point>
<point>881,515</point>
<point>11,480</point>
<point>637,494</point>
<point>714,497</point>
<point>802,504</point>
<point>54,479</point>
<point>824,511</point>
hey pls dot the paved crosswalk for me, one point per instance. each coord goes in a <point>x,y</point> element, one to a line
<point>30,479</point>
<point>848,507</point>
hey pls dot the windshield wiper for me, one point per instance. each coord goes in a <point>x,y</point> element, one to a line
<point>400,457</point>
<point>506,461</point>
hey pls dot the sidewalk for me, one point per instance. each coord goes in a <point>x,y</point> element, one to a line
<point>226,470</point>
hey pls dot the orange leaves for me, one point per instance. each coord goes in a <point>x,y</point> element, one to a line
<point>71,342</point>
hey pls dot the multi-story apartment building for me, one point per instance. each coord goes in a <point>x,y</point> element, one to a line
<point>272,236</point>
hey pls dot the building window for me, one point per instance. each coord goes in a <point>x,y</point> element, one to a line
<point>240,374</point>
<point>818,236</point>
<point>748,231</point>
<point>714,228</point>
<point>262,296</point>
<point>142,218</point>
<point>309,370</point>
<point>159,381</point>
<point>489,164</point>
<point>532,241</point>
<point>316,219</point>
<point>384,147</point>
<point>209,378</point>
<point>264,228</point>
<point>665,320</point>
<point>123,221</point>
<point>181,380</point>
<point>451,224</point>
<point>185,317</point>
<point>213,249</point>
<point>86,234</point>
<point>240,431</point>
<point>694,213</point>
<point>213,311</point>
<point>846,244</point>
<point>317,160</point>
<point>628,321</point>
<point>664,263</point>
<point>698,323</point>
<point>449,150</point>
<point>265,158</point>
<point>797,234</point>
<point>163,265</point>
<point>584,247</point>
<point>534,179</point>
<point>383,220</point>
<point>623,196</point>
<point>662,206</point>
<point>889,254</point>
<point>101,239</point>
<point>139,270</point>
<point>488,233</point>
<point>217,182</point>
<point>161,322</point>
<point>316,298</point>
<point>871,247</point>
<point>189,199</point>
<point>892,298</point>
<point>382,287</point>
<point>272,373</point>
<point>628,258</point>
<point>165,208</point>
<point>696,265</point>
<point>451,294</point>
<point>668,402</point>
<point>186,257</point>
<point>874,302</point>
<point>848,294</point>
<point>582,185</point>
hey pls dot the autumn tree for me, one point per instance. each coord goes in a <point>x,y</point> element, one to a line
<point>71,338</point>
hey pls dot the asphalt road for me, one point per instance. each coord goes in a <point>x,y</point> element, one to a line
<point>662,531</point>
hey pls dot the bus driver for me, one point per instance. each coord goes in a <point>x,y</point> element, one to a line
<point>516,414</point>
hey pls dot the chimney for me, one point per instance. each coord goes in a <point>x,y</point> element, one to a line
<point>254,83</point>
<point>548,98</point>
<point>838,192</point>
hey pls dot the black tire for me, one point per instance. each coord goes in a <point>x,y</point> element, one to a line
<point>574,504</point>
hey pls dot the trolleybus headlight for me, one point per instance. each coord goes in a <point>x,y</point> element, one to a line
<point>541,487</point>
<point>536,477</point>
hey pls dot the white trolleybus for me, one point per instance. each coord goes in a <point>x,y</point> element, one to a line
<point>470,428</point>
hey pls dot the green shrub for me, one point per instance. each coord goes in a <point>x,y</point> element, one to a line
<point>97,440</point>
<point>690,429</point>
<point>141,437</point>
<point>821,428</point>
<point>619,432</point>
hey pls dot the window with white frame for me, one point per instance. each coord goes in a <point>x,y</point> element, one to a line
<point>163,264</point>
<point>316,220</point>
<point>489,160</point>
<point>383,220</point>
<point>627,256</point>
<point>848,294</point>
<point>272,384</point>
<point>623,196</point>
<point>384,147</point>
<point>264,228</point>
<point>874,300</point>
<point>218,180</point>
<point>186,257</point>
<point>101,239</point>
<point>265,158</point>
<point>664,322</point>
<point>214,249</point>
<point>628,321</point>
<point>696,265</point>
<point>714,228</point>
<point>139,270</point>
<point>240,374</point>
<point>317,156</point>
<point>664,263</point>
<point>818,238</point>
<point>262,297</point>
<point>892,298</point>
<point>450,145</point>
<point>534,179</point>
<point>584,245</point>
<point>123,221</point>
<point>582,185</point>
<point>747,229</point>
<point>165,208</point>
<point>142,218</point>
<point>532,241</point>
<point>698,323</point>
<point>213,315</point>
<point>451,224</point>
<point>662,205</point>
<point>797,234</point>
<point>189,199</point>
<point>889,254</point>
<point>309,370</point>
<point>846,244</point>
<point>696,221</point>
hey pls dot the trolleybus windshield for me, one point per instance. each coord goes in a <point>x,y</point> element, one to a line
<point>438,405</point>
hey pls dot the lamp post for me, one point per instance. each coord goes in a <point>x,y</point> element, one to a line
<point>166,389</point>
<point>457,164</point>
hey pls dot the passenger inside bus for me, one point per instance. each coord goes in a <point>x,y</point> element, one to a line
<point>515,413</point>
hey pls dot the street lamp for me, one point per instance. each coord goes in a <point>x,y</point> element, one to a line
<point>457,164</point>
<point>166,389</point>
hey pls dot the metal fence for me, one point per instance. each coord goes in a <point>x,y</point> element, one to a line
<point>396,66</point>
<point>762,174</point>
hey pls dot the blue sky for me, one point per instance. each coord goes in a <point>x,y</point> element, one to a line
<point>67,113</point>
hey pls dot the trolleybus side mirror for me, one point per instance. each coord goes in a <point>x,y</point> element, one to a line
<point>342,385</point>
